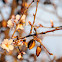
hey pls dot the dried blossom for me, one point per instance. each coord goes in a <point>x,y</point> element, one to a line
<point>19,56</point>
<point>17,17</point>
<point>23,18</point>
<point>10,23</point>
<point>7,44</point>
<point>20,27</point>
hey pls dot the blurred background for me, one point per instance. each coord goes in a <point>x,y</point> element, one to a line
<point>47,10</point>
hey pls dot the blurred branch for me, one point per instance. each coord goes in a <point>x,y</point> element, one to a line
<point>13,7</point>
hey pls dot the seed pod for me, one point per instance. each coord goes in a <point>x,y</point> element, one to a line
<point>31,44</point>
<point>38,50</point>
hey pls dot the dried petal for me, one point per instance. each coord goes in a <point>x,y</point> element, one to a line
<point>6,44</point>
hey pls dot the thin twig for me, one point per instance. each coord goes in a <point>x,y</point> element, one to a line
<point>26,10</point>
<point>46,49</point>
<point>34,17</point>
<point>47,53</point>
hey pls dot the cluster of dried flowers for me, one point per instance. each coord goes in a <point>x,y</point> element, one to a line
<point>17,22</point>
<point>13,22</point>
